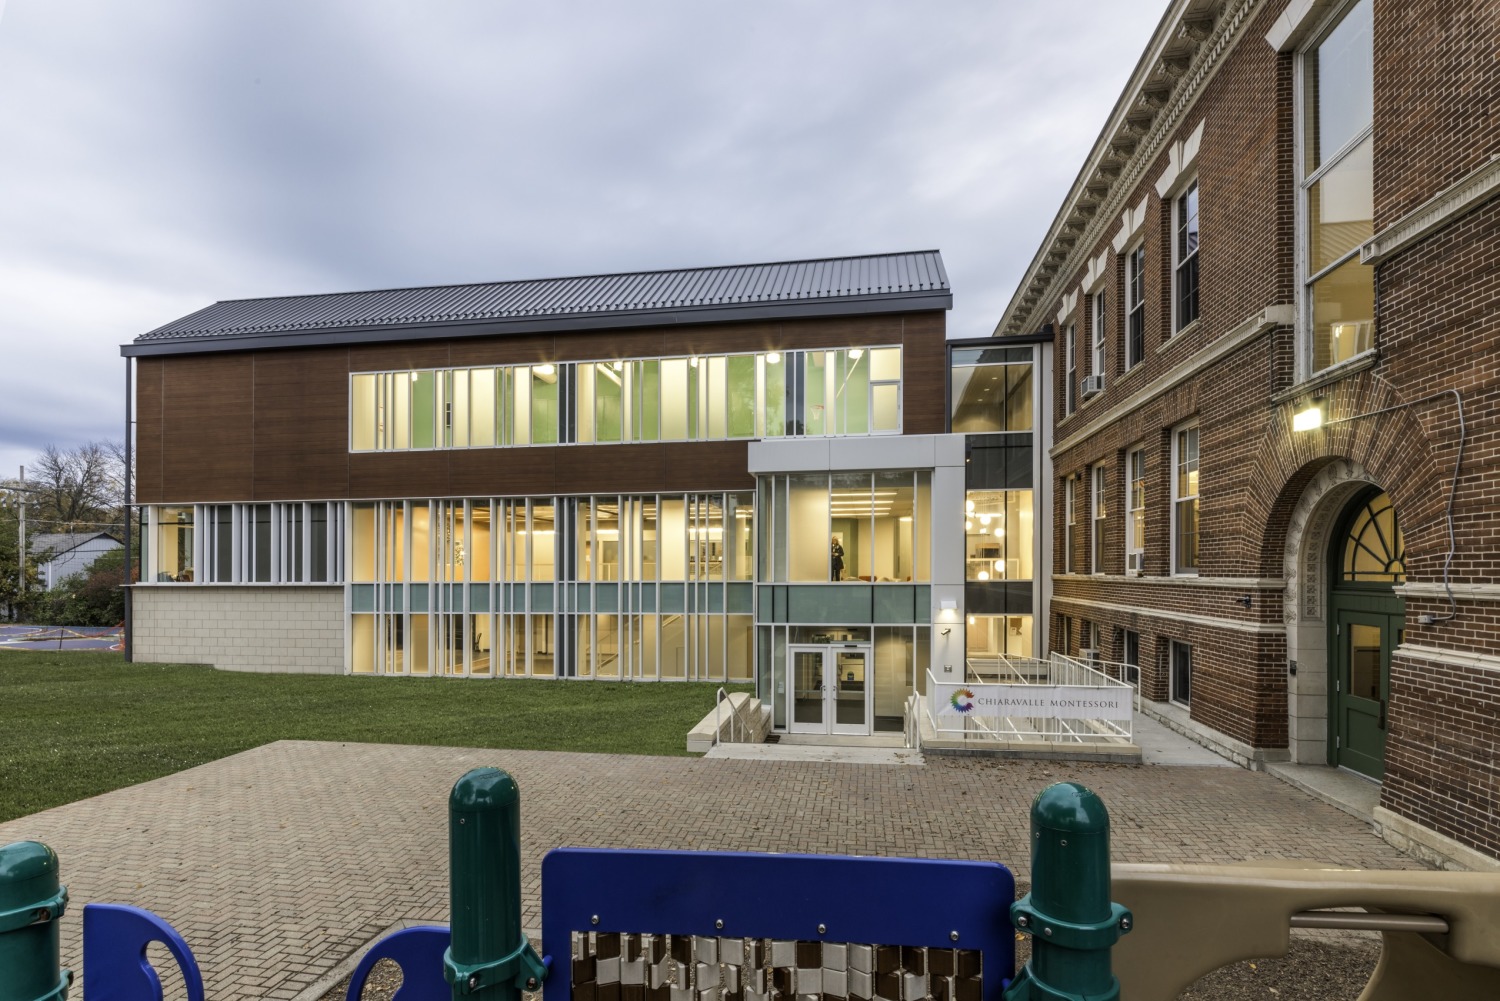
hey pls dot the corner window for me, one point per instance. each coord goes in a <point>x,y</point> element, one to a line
<point>1135,306</point>
<point>1185,501</point>
<point>1337,190</point>
<point>1185,257</point>
<point>1135,511</point>
<point>1099,507</point>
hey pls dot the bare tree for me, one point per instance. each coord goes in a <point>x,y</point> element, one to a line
<point>79,488</point>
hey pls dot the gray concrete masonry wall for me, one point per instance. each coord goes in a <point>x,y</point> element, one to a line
<point>295,630</point>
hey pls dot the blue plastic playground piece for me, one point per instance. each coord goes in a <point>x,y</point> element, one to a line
<point>115,938</point>
<point>419,953</point>
<point>834,898</point>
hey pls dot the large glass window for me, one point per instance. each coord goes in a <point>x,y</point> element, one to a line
<point>1185,501</point>
<point>847,527</point>
<point>1185,253</point>
<point>998,533</point>
<point>281,543</point>
<point>1070,380</point>
<point>1099,511</point>
<point>992,390</point>
<point>849,391</point>
<point>1135,306</point>
<point>1135,511</point>
<point>1097,316</point>
<point>1337,184</point>
<point>1070,521</point>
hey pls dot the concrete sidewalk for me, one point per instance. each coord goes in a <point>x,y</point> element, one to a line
<point>278,863</point>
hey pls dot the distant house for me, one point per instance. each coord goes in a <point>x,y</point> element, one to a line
<point>68,553</point>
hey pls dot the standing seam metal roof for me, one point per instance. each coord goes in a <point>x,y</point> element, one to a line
<point>878,276</point>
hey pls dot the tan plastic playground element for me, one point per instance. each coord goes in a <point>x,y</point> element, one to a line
<point>1190,920</point>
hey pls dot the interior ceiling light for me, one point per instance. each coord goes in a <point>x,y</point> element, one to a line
<point>856,353</point>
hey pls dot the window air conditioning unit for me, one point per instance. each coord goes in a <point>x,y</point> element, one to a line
<point>1093,386</point>
<point>1089,655</point>
<point>1135,563</point>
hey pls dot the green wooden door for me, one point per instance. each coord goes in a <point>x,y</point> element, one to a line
<point>1363,641</point>
<point>1366,622</point>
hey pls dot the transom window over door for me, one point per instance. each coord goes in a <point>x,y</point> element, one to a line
<point>1337,190</point>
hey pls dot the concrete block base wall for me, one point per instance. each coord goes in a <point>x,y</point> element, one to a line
<point>295,630</point>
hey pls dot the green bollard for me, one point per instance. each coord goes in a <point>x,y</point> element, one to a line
<point>1068,912</point>
<point>488,955</point>
<point>31,901</point>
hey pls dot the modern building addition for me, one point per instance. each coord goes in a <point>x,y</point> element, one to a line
<point>755,474</point>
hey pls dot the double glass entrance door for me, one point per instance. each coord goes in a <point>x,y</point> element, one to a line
<point>830,690</point>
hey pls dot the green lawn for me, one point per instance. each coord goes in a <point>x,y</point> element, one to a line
<point>74,725</point>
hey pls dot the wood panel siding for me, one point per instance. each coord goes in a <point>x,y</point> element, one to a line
<point>707,465</point>
<point>274,425</point>
<point>301,424</point>
<point>498,472</point>
<point>398,474</point>
<point>207,428</point>
<point>148,430</point>
<point>924,360</point>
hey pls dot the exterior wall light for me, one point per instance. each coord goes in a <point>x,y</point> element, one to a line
<point>1308,419</point>
<point>774,358</point>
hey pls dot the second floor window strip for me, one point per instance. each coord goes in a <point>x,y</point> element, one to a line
<point>1070,388</point>
<point>772,394</point>
<point>1069,521</point>
<point>1185,502</point>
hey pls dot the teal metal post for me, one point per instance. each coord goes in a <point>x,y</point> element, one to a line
<point>31,901</point>
<point>489,956</point>
<point>1068,913</point>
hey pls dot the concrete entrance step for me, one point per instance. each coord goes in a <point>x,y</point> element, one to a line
<point>741,717</point>
<point>1355,794</point>
<point>838,753</point>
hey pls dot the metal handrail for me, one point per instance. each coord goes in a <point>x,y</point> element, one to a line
<point>719,698</point>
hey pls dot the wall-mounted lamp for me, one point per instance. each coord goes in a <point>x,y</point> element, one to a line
<point>1244,599</point>
<point>1309,418</point>
<point>948,605</point>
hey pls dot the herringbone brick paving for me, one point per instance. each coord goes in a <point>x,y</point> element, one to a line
<point>277,863</point>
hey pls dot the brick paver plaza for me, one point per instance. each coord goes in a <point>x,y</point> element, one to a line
<point>278,863</point>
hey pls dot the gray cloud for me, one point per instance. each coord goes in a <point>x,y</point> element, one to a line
<point>161,155</point>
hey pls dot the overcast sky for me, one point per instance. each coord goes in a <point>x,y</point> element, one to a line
<point>158,155</point>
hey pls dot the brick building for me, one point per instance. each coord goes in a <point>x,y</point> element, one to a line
<point>1274,294</point>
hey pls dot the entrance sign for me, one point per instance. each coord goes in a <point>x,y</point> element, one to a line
<point>1034,701</point>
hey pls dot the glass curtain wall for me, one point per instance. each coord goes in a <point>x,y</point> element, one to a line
<point>991,390</point>
<point>845,391</point>
<point>847,527</point>
<point>619,587</point>
<point>282,543</point>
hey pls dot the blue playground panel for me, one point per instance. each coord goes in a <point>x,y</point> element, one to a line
<point>750,906</point>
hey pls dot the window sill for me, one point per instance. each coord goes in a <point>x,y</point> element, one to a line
<point>1178,335</point>
<point>1330,375</point>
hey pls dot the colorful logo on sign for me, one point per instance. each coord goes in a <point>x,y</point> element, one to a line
<point>962,700</point>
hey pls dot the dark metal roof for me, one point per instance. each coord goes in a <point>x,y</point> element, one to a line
<point>874,283</point>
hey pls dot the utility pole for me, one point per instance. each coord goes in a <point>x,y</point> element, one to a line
<point>21,552</point>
